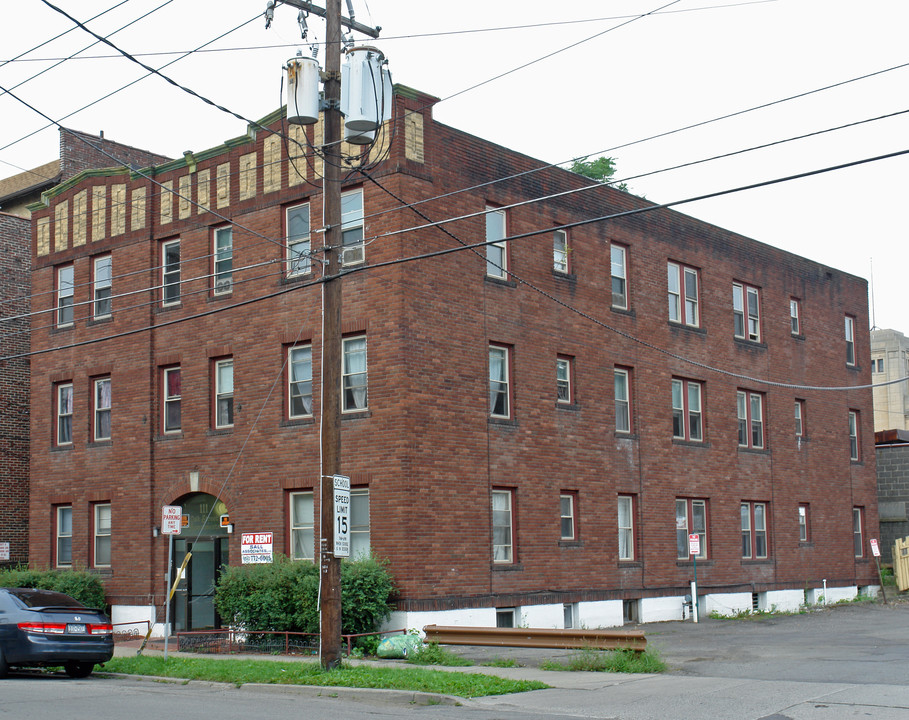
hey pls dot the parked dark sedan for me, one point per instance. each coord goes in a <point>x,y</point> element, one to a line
<point>46,628</point>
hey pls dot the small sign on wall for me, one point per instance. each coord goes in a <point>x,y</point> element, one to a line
<point>256,547</point>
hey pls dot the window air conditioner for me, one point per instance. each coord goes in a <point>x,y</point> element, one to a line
<point>222,286</point>
<point>353,254</point>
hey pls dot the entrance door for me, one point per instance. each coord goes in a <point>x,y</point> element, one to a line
<point>193,606</point>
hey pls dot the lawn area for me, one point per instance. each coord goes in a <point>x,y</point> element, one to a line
<point>240,672</point>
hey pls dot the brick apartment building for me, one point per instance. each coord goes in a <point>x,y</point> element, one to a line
<point>532,429</point>
<point>16,194</point>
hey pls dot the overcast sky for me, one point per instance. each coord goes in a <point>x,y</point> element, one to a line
<point>637,69</point>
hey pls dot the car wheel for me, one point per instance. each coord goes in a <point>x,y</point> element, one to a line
<point>4,668</point>
<point>79,669</point>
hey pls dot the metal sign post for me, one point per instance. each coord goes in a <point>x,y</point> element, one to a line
<point>694,549</point>
<point>876,552</point>
<point>171,524</point>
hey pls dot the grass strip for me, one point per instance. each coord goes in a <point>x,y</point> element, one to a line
<point>240,672</point>
<point>618,661</point>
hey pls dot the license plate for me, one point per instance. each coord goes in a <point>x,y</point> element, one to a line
<point>75,629</point>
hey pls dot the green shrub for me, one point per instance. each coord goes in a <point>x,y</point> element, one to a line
<point>283,595</point>
<point>83,586</point>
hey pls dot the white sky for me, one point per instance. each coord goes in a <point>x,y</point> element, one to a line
<point>692,61</point>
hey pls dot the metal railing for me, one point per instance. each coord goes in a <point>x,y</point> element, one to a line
<point>567,638</point>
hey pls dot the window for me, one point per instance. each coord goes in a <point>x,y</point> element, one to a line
<point>566,516</point>
<point>795,313</point>
<point>850,340</point>
<point>172,385</point>
<point>563,380</point>
<point>64,402</point>
<point>64,533</point>
<point>622,384</point>
<point>690,518</point>
<point>354,249</point>
<point>499,390</point>
<point>298,240</point>
<point>502,527</point>
<point>800,418</point>
<point>302,524</point>
<point>619,277</point>
<point>496,251</point>
<point>854,450</point>
<point>877,365</point>
<point>170,272</point>
<point>359,522</point>
<point>101,524</point>
<point>803,523</point>
<point>299,392</point>
<point>754,530</point>
<point>569,615</point>
<point>560,251</point>
<point>353,380</point>
<point>626,527</point>
<point>858,538</point>
<point>224,393</point>
<point>686,410</point>
<point>750,411</point>
<point>746,312</point>
<point>224,260</point>
<point>683,295</point>
<point>505,617</point>
<point>103,286</point>
<point>65,292</point>
<point>102,409</point>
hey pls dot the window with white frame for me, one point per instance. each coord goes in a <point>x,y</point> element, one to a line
<point>569,615</point>
<point>101,522</point>
<point>850,340</point>
<point>687,414</point>
<point>795,316</point>
<point>746,312</point>
<point>65,295</point>
<point>499,381</point>
<point>754,530</point>
<point>563,379</point>
<point>567,524</point>
<point>496,250</point>
<point>505,617</point>
<point>800,418</point>
<point>560,251</point>
<point>299,389</point>
<point>690,518</point>
<point>224,393</point>
<point>170,272</point>
<point>353,374</point>
<point>102,406</point>
<point>298,240</point>
<point>854,449</point>
<point>750,411</point>
<point>302,526</point>
<point>626,527</point>
<point>803,523</point>
<point>64,403</point>
<point>352,238</point>
<point>619,276</point>
<point>103,286</point>
<point>858,532</point>
<point>359,523</point>
<point>172,394</point>
<point>622,385</point>
<point>64,532</point>
<point>502,526</point>
<point>683,294</point>
<point>223,260</point>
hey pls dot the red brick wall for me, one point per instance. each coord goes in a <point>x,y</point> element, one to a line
<point>426,448</point>
<point>14,384</point>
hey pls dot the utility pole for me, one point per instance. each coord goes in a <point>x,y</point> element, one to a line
<point>330,435</point>
<point>330,567</point>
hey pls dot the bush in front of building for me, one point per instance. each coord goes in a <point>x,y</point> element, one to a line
<point>283,596</point>
<point>83,586</point>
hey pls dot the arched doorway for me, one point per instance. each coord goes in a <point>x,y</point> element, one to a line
<point>193,605</point>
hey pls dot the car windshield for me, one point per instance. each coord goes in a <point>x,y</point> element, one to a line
<point>43,598</point>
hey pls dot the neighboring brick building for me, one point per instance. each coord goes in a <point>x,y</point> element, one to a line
<point>16,193</point>
<point>531,447</point>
